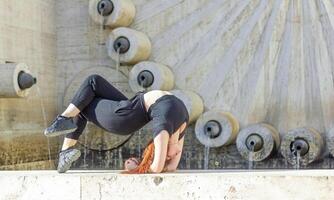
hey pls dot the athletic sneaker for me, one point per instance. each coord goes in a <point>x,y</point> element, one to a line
<point>66,158</point>
<point>60,126</point>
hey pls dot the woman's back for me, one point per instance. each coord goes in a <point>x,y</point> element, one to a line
<point>151,96</point>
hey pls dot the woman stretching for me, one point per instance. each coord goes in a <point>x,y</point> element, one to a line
<point>99,102</point>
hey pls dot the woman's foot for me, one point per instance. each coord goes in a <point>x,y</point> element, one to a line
<point>66,158</point>
<point>60,126</point>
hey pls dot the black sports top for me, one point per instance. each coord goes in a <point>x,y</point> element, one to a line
<point>167,113</point>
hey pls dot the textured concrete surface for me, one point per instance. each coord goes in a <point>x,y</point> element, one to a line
<point>228,185</point>
<point>265,61</point>
<point>28,35</point>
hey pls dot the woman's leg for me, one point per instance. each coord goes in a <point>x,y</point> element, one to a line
<point>71,111</point>
<point>68,143</point>
<point>97,112</point>
<point>72,138</point>
<point>83,107</point>
<point>93,87</point>
<point>68,154</point>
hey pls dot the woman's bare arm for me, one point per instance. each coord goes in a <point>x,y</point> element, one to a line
<point>172,164</point>
<point>160,151</point>
<point>174,138</point>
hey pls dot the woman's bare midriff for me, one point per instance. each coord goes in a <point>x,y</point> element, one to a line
<point>150,98</point>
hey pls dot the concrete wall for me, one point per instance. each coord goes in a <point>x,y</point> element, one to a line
<point>260,60</point>
<point>28,35</point>
<point>264,61</point>
<point>288,185</point>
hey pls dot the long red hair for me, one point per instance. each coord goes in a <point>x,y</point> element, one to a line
<point>146,161</point>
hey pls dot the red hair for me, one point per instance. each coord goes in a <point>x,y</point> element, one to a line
<point>146,161</point>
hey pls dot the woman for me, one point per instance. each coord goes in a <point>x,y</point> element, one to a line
<point>101,103</point>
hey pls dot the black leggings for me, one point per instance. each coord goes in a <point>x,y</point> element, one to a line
<point>93,99</point>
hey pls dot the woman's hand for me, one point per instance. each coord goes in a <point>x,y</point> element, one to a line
<point>131,164</point>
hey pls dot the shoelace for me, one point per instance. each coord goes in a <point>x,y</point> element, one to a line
<point>58,116</point>
<point>66,156</point>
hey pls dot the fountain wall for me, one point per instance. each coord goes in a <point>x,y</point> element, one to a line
<point>28,35</point>
<point>261,61</point>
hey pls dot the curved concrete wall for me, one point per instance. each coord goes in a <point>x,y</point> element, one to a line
<point>263,61</point>
<point>28,35</point>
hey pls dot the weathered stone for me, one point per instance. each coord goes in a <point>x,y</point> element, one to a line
<point>27,35</point>
<point>121,13</point>
<point>191,184</point>
<point>161,76</point>
<point>216,128</point>
<point>312,141</point>
<point>9,77</point>
<point>139,45</point>
<point>258,141</point>
<point>21,148</point>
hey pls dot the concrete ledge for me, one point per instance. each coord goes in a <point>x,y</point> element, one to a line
<point>90,185</point>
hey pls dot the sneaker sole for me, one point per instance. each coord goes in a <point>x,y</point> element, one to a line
<point>67,167</point>
<point>58,133</point>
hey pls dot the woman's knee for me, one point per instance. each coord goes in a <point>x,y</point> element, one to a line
<point>93,77</point>
<point>93,80</point>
